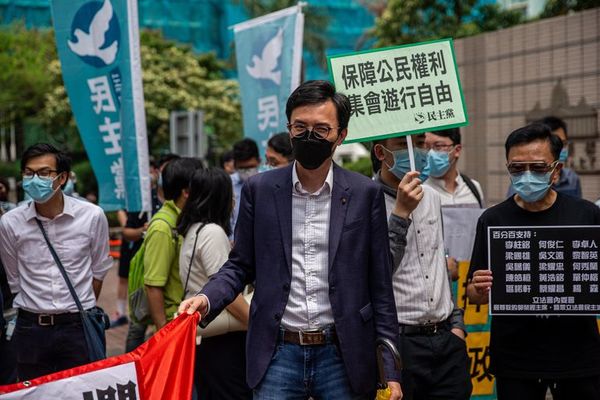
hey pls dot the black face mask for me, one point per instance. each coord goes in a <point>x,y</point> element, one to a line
<point>310,151</point>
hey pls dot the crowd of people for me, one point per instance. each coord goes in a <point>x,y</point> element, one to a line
<point>297,265</point>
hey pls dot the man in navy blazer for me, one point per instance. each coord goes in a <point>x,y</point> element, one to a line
<point>313,239</point>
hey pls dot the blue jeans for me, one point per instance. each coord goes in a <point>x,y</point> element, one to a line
<point>299,372</point>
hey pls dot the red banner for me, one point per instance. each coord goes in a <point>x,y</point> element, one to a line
<point>160,369</point>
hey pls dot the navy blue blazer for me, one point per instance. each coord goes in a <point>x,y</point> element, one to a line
<point>360,272</point>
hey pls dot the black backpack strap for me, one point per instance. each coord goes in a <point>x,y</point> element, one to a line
<point>473,189</point>
<point>187,279</point>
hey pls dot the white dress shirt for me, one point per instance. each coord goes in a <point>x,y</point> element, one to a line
<point>462,194</point>
<point>421,286</point>
<point>80,237</point>
<point>308,305</point>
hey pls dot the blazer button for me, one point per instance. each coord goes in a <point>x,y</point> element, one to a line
<point>277,317</point>
<point>286,287</point>
<point>332,289</point>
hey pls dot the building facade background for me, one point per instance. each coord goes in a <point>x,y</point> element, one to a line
<point>513,76</point>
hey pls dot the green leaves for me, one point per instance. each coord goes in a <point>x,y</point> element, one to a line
<point>410,21</point>
<point>174,77</point>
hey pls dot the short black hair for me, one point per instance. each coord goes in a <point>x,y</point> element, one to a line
<point>282,145</point>
<point>532,132</point>
<point>63,161</point>
<point>317,92</point>
<point>245,149</point>
<point>167,158</point>
<point>554,123</point>
<point>177,174</point>
<point>226,157</point>
<point>210,200</point>
<point>452,133</point>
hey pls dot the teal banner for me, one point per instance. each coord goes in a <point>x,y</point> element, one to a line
<point>98,46</point>
<point>269,59</point>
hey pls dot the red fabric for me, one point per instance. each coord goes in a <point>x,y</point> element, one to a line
<point>164,364</point>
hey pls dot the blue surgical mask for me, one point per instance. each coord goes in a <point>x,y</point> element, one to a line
<point>40,189</point>
<point>402,163</point>
<point>531,186</point>
<point>69,188</point>
<point>265,168</point>
<point>439,163</point>
<point>564,154</point>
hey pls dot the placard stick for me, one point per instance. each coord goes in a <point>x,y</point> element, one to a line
<point>411,153</point>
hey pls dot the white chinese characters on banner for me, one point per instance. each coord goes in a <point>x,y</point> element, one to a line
<point>119,382</point>
<point>103,101</point>
<point>268,112</point>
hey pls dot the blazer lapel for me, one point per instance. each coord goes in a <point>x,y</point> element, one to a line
<point>283,204</point>
<point>340,198</point>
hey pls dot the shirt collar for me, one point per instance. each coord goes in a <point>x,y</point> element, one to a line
<point>170,204</point>
<point>68,209</point>
<point>297,185</point>
<point>441,183</point>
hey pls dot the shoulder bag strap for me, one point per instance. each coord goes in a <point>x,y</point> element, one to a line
<point>472,188</point>
<point>60,267</point>
<point>191,260</point>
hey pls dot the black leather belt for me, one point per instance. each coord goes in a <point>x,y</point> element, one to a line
<point>310,338</point>
<point>49,319</point>
<point>426,329</point>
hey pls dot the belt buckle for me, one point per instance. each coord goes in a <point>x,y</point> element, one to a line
<point>307,333</point>
<point>45,320</point>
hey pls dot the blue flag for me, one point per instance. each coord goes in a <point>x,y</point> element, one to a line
<point>98,46</point>
<point>269,58</point>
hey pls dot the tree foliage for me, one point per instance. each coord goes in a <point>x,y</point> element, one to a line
<point>409,21</point>
<point>174,77</point>
<point>555,8</point>
<point>24,80</point>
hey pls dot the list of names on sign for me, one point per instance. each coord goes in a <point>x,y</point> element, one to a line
<point>544,270</point>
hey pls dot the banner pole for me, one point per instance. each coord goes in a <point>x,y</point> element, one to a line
<point>411,152</point>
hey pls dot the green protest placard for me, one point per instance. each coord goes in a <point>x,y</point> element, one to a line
<point>399,91</point>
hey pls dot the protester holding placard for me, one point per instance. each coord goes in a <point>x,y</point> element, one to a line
<point>432,331</point>
<point>568,181</point>
<point>530,354</point>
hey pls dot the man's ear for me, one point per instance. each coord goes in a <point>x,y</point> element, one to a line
<point>64,177</point>
<point>379,152</point>
<point>342,136</point>
<point>457,150</point>
<point>556,173</point>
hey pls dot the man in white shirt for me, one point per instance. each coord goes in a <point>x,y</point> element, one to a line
<point>453,187</point>
<point>432,331</point>
<point>49,334</point>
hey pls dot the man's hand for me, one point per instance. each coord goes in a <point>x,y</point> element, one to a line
<point>193,304</point>
<point>479,287</point>
<point>409,194</point>
<point>452,268</point>
<point>458,332</point>
<point>396,390</point>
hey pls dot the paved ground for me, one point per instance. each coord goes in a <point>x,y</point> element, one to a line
<point>115,338</point>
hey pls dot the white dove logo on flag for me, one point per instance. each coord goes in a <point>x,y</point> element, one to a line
<point>101,41</point>
<point>264,67</point>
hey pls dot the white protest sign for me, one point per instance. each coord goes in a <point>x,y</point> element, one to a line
<point>400,91</point>
<point>118,382</point>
